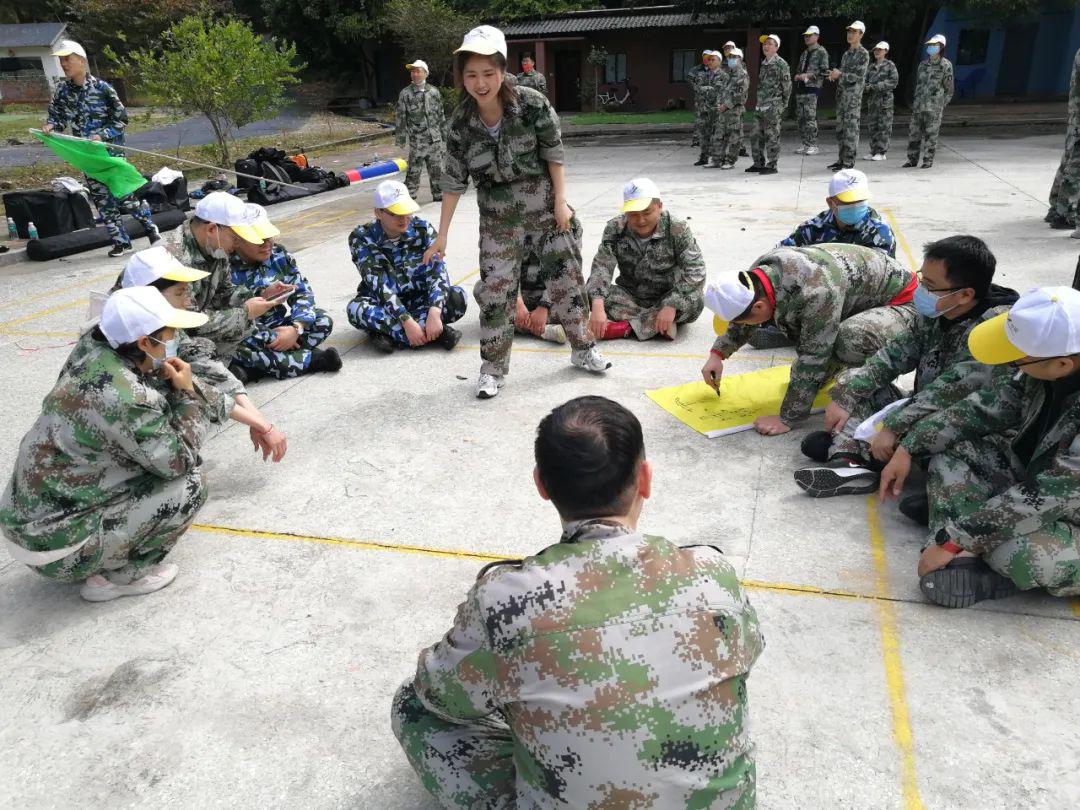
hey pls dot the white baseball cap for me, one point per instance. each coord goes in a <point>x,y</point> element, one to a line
<point>938,39</point>
<point>147,266</point>
<point>67,47</point>
<point>394,197</point>
<point>136,312</point>
<point>1044,322</point>
<point>813,29</point>
<point>773,37</point>
<point>726,44</point>
<point>717,54</point>
<point>485,40</point>
<point>736,52</point>
<point>638,194</point>
<point>261,225</point>
<point>223,208</point>
<point>849,185</point>
<point>858,25</point>
<point>418,63</point>
<point>883,45</point>
<point>728,300</point>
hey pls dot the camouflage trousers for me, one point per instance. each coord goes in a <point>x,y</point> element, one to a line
<point>516,218</point>
<point>137,532</point>
<point>727,136</point>
<point>430,156</point>
<point>621,306</point>
<point>1065,192</point>
<point>701,113</point>
<point>970,473</point>
<point>255,352</point>
<point>844,442</point>
<point>112,209</point>
<point>372,316</point>
<point>705,131</point>
<point>848,113</point>
<point>923,135</point>
<point>461,765</point>
<point>806,112</point>
<point>861,335</point>
<point>765,137</point>
<point>879,121</point>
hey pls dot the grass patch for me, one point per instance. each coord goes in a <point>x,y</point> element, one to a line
<point>660,117</point>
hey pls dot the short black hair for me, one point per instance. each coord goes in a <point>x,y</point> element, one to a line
<point>968,262</point>
<point>588,451</point>
<point>526,55</point>
<point>162,284</point>
<point>759,295</point>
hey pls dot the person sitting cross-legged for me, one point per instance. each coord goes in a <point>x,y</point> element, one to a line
<point>286,339</point>
<point>661,272</point>
<point>401,301</point>
<point>608,670</point>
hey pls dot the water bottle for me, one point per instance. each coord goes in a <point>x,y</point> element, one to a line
<point>144,209</point>
<point>12,229</point>
<point>31,231</point>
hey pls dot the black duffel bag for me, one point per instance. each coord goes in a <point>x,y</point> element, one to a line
<point>247,166</point>
<point>54,247</point>
<point>52,212</point>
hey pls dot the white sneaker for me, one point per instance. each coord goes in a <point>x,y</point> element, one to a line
<point>590,360</point>
<point>488,385</point>
<point>868,157</point>
<point>98,589</point>
<point>878,157</point>
<point>554,332</point>
<point>801,150</point>
<point>1076,234</point>
<point>812,150</point>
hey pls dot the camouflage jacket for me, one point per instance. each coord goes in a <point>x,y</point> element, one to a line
<point>695,76</point>
<point>933,86</point>
<point>853,67</point>
<point>281,266</point>
<point>215,295</point>
<point>530,137</point>
<point>669,271</point>
<point>815,289</point>
<point>945,372</point>
<point>733,93</point>
<point>1050,490</point>
<point>1074,96</point>
<point>814,61</point>
<point>711,86</point>
<point>536,80</point>
<point>619,661</point>
<point>872,232</point>
<point>392,273</point>
<point>92,109</point>
<point>774,85</point>
<point>882,78</point>
<point>419,118</point>
<point>106,432</point>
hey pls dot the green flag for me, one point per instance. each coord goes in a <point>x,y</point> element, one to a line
<point>93,159</point>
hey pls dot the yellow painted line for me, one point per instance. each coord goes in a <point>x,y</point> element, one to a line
<point>1075,605</point>
<point>894,668</point>
<point>465,278</point>
<point>900,238</point>
<point>4,326</point>
<point>20,301</point>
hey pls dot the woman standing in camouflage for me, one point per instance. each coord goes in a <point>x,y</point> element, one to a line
<point>507,140</point>
<point>882,78</point>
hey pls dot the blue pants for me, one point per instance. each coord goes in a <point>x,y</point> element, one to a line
<point>372,315</point>
<point>254,354</point>
<point>112,209</point>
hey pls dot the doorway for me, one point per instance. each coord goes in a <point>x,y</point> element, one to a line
<point>1015,69</point>
<point>568,81</point>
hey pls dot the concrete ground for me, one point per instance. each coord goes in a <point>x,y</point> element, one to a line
<point>262,677</point>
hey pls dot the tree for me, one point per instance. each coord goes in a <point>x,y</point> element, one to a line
<point>220,69</point>
<point>514,9</point>
<point>429,29</point>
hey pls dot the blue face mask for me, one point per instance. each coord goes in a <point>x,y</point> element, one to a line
<point>926,302</point>
<point>171,347</point>
<point>732,63</point>
<point>933,50</point>
<point>852,214</point>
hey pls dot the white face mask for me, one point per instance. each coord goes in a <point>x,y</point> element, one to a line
<point>171,348</point>
<point>219,252</point>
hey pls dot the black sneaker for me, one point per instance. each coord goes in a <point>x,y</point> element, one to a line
<point>815,446</point>
<point>1050,215</point>
<point>743,152</point>
<point>118,249</point>
<point>768,337</point>
<point>927,164</point>
<point>701,161</point>
<point>836,477</point>
<point>325,360</point>
<point>754,168</point>
<point>835,166</point>
<point>911,164</point>
<point>384,343</point>
<point>767,170</point>
<point>239,372</point>
<point>965,581</point>
<point>449,338</point>
<point>916,507</point>
<point>1059,222</point>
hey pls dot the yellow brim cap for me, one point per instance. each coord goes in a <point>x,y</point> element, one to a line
<point>720,326</point>
<point>406,206</point>
<point>181,273</point>
<point>186,319</point>
<point>990,345</point>
<point>258,232</point>
<point>853,195</point>
<point>639,204</point>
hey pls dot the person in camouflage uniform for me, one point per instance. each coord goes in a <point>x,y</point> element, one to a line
<point>694,78</point>
<point>773,93</point>
<point>957,274</point>
<point>813,70</point>
<point>1065,191</point>
<point>933,92</point>
<point>608,670</point>
<point>530,77</point>
<point>402,300</point>
<point>109,476</point>
<point>1004,479</point>
<point>285,344</point>
<point>508,141</point>
<point>420,122</point>
<point>709,88</point>
<point>848,198</point>
<point>661,270</point>
<point>850,79</point>
<point>882,78</point>
<point>730,106</point>
<point>92,109</point>
<point>839,304</point>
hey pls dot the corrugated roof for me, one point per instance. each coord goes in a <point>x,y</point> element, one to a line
<point>573,22</point>
<point>30,35</point>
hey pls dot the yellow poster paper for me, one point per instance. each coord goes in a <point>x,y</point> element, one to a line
<point>743,398</point>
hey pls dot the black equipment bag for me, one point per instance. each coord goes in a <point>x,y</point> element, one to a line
<point>53,247</point>
<point>52,212</point>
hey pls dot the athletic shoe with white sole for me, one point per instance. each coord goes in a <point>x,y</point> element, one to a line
<point>554,333</point>
<point>965,581</point>
<point>879,157</point>
<point>836,477</point>
<point>801,150</point>
<point>488,385</point>
<point>98,589</point>
<point>590,360</point>
<point>812,150</point>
